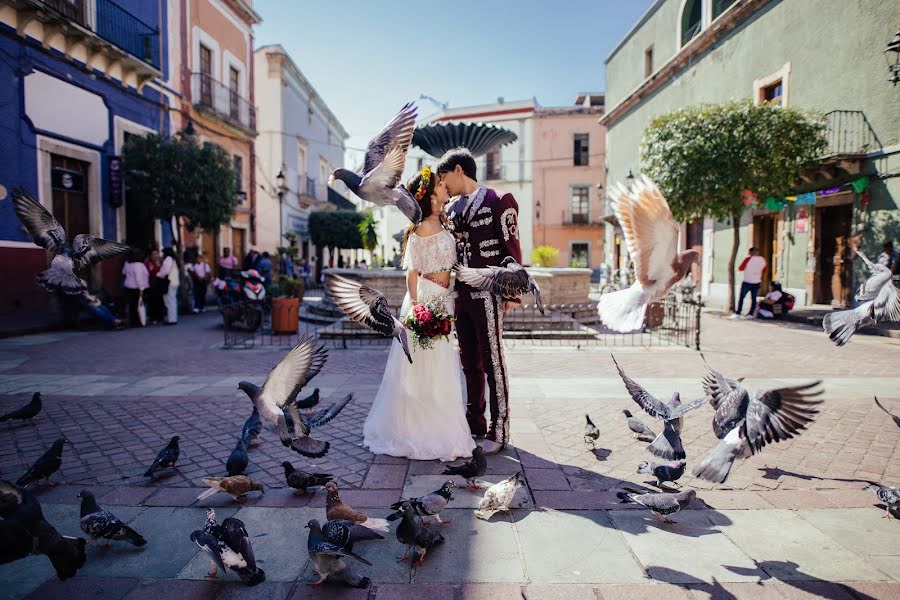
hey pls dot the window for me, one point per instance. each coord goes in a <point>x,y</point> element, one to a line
<point>580,255</point>
<point>772,94</point>
<point>492,164</point>
<point>580,205</point>
<point>205,76</point>
<point>648,62</point>
<point>691,20</point>
<point>238,162</point>
<point>582,151</point>
<point>301,167</point>
<point>420,163</point>
<point>234,95</point>
<point>720,6</point>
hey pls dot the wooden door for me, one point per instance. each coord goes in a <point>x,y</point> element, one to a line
<point>69,182</point>
<point>764,239</point>
<point>208,249</point>
<point>237,243</point>
<point>831,223</point>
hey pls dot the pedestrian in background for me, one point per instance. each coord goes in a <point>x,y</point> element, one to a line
<point>227,262</point>
<point>753,267</point>
<point>168,272</point>
<point>251,259</point>
<point>889,257</point>
<point>137,281</point>
<point>286,265</point>
<point>305,270</point>
<point>157,289</point>
<point>199,273</point>
<point>264,266</point>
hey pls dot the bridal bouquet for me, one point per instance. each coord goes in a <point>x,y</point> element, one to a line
<point>428,322</point>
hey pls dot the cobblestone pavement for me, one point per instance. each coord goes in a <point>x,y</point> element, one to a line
<point>118,397</point>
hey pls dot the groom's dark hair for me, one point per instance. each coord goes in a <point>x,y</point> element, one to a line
<point>457,156</point>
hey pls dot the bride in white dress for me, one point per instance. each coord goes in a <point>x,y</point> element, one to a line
<point>418,412</point>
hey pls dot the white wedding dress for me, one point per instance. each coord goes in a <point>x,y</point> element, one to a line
<point>419,410</point>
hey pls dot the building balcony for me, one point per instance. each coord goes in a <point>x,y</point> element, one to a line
<point>849,138</point>
<point>581,219</point>
<point>212,96</point>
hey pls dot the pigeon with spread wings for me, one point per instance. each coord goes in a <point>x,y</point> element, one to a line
<point>85,251</point>
<point>509,280</point>
<point>879,301</point>
<point>377,181</point>
<point>367,306</point>
<point>651,234</point>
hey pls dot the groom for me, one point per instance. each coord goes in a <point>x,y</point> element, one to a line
<point>485,225</point>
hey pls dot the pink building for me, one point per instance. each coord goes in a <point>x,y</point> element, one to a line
<point>570,181</point>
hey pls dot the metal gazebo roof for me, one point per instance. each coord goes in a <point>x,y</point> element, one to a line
<point>479,138</point>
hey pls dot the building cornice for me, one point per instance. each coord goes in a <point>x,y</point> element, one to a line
<point>640,23</point>
<point>245,11</point>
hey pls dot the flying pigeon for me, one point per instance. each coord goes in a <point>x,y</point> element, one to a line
<point>509,280</point>
<point>889,495</point>
<point>663,472</point>
<point>29,411</point>
<point>430,504</point>
<point>67,262</point>
<point>412,534</point>
<point>228,546</point>
<point>879,301</point>
<point>661,504</point>
<point>48,464</point>
<point>745,424</point>
<point>651,234</point>
<point>367,306</point>
<point>238,486</point>
<point>275,399</point>
<point>238,460</point>
<point>890,414</point>
<point>99,523</point>
<point>377,181</point>
<point>337,510</point>
<point>301,480</point>
<point>327,557</point>
<point>591,433</point>
<point>498,497</point>
<point>252,429</point>
<point>167,457</point>
<point>637,426</point>
<point>472,469</point>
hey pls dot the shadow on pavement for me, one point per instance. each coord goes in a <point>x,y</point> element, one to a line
<point>789,573</point>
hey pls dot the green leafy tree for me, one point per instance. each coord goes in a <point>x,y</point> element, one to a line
<point>544,256</point>
<point>703,156</point>
<point>368,231</point>
<point>334,229</point>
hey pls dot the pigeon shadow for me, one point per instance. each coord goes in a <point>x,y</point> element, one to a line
<point>713,589</point>
<point>601,453</point>
<point>789,573</point>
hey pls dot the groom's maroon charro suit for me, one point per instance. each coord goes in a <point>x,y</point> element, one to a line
<point>486,229</point>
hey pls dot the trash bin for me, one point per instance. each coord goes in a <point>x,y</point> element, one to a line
<point>285,315</point>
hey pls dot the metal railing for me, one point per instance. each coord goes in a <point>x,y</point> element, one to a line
<point>848,132</point>
<point>213,95</point>
<point>584,219</point>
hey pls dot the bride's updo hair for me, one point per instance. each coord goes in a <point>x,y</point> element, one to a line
<point>423,199</point>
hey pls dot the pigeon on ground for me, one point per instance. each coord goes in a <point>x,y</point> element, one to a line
<point>745,424</point>
<point>367,306</point>
<point>345,533</point>
<point>498,497</point>
<point>879,301</point>
<point>238,486</point>
<point>29,411</point>
<point>327,557</point>
<point>651,234</point>
<point>431,504</point>
<point>301,480</point>
<point>238,460</point>
<point>637,426</point>
<point>890,414</point>
<point>470,470</point>
<point>889,495</point>
<point>68,262</point>
<point>337,510</point>
<point>385,159</point>
<point>591,433</point>
<point>663,472</point>
<point>509,280</point>
<point>661,504</point>
<point>252,429</point>
<point>412,534</point>
<point>275,399</point>
<point>228,546</point>
<point>167,457</point>
<point>100,524</point>
<point>45,466</point>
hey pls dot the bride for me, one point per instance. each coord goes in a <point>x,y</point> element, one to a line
<point>418,412</point>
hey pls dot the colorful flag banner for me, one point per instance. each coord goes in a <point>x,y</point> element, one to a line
<point>806,199</point>
<point>860,185</point>
<point>790,198</point>
<point>773,203</point>
<point>833,190</point>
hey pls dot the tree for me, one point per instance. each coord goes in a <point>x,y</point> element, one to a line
<point>174,177</point>
<point>368,231</point>
<point>704,156</point>
<point>334,229</point>
<point>544,256</point>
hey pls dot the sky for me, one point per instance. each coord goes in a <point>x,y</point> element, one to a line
<point>366,58</point>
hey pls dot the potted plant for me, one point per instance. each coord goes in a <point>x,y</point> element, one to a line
<point>286,293</point>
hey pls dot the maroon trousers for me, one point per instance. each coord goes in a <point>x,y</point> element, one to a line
<point>479,327</point>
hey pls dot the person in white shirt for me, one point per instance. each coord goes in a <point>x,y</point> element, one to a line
<point>199,272</point>
<point>753,267</point>
<point>137,279</point>
<point>169,269</point>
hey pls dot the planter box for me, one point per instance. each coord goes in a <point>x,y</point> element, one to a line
<point>285,315</point>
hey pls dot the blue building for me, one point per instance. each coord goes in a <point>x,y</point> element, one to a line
<point>77,77</point>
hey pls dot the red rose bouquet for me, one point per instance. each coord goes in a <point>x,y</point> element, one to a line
<point>429,322</point>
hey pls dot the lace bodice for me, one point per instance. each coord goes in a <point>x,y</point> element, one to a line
<point>430,254</point>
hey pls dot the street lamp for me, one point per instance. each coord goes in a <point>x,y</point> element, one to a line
<point>630,177</point>
<point>893,62</point>
<point>280,190</point>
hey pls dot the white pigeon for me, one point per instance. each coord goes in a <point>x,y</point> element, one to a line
<point>651,235</point>
<point>498,496</point>
<point>879,301</point>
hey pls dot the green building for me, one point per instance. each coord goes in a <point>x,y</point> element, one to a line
<point>824,55</point>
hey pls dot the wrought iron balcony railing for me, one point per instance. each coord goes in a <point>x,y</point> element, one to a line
<point>213,95</point>
<point>582,219</point>
<point>848,134</point>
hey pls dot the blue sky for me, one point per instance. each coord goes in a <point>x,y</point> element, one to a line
<point>366,58</point>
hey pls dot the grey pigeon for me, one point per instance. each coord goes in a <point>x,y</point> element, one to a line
<point>167,457</point>
<point>661,504</point>
<point>345,533</point>
<point>228,547</point>
<point>745,424</point>
<point>663,472</point>
<point>29,411</point>
<point>238,460</point>
<point>498,497</point>
<point>48,464</point>
<point>252,429</point>
<point>377,181</point>
<point>414,535</point>
<point>470,470</point>
<point>637,426</point>
<point>309,402</point>
<point>879,301</point>
<point>102,524</point>
<point>889,495</point>
<point>68,262</point>
<point>509,280</point>
<point>367,306</point>
<point>301,480</point>
<point>430,504</point>
<point>591,433</point>
<point>327,558</point>
<point>889,413</point>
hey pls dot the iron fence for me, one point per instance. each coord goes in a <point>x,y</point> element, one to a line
<point>211,94</point>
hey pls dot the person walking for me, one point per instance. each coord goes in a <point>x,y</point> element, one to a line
<point>264,266</point>
<point>199,273</point>
<point>753,267</point>
<point>168,271</point>
<point>137,280</point>
<point>157,289</point>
